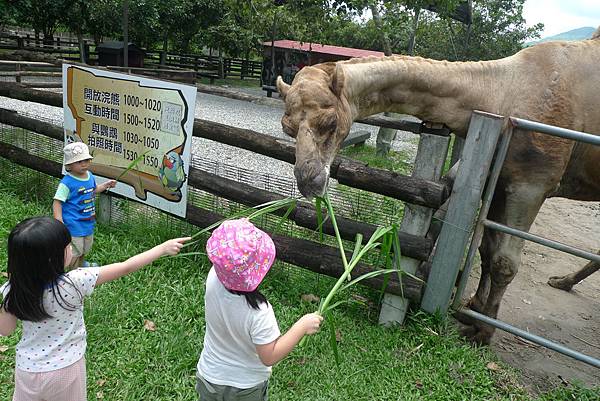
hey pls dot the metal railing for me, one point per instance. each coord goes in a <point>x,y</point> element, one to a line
<point>484,222</point>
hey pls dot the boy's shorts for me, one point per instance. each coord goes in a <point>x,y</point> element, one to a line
<point>81,246</point>
<point>215,392</point>
<point>66,384</point>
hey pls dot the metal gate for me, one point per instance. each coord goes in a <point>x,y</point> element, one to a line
<point>484,222</point>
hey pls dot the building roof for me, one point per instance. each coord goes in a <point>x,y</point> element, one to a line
<point>117,46</point>
<point>323,49</point>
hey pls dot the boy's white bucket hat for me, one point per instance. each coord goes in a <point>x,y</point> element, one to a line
<point>76,152</point>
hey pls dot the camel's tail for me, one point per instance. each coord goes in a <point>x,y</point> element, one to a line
<point>596,34</point>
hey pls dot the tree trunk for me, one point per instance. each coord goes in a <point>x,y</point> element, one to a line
<point>385,136</point>
<point>413,35</point>
<point>163,53</point>
<point>82,49</point>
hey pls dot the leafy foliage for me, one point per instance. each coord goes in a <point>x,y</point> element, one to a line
<point>238,28</point>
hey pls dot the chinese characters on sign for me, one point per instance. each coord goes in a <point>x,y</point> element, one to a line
<point>138,130</point>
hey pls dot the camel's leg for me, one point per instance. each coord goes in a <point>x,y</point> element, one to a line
<point>489,242</point>
<point>567,282</point>
<point>521,207</point>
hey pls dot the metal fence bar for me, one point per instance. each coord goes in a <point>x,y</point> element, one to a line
<point>555,131</point>
<point>532,337</point>
<point>542,241</point>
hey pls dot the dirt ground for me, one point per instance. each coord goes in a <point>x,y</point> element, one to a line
<point>569,318</point>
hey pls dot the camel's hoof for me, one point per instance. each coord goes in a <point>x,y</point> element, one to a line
<point>482,337</point>
<point>468,331</point>
<point>562,283</point>
<point>476,335</point>
<point>464,319</point>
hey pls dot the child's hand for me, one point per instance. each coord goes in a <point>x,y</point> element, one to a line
<point>111,184</point>
<point>173,246</point>
<point>310,323</point>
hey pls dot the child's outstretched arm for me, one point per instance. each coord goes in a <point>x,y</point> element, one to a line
<point>103,187</point>
<point>275,351</point>
<point>8,322</point>
<point>117,270</point>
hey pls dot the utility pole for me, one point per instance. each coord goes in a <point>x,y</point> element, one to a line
<point>125,33</point>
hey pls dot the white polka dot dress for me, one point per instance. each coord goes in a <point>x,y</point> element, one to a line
<point>59,341</point>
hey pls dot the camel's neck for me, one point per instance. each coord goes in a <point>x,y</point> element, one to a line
<point>436,91</point>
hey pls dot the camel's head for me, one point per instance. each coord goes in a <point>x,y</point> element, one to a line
<point>318,115</point>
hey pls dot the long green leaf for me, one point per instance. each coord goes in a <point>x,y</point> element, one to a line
<point>335,229</point>
<point>333,339</point>
<point>398,257</point>
<point>258,211</point>
<point>132,165</point>
<point>386,252</point>
<point>368,275</point>
<point>285,216</point>
<point>335,305</point>
<point>356,251</point>
<point>357,244</point>
<point>183,255</point>
<point>270,207</point>
<point>320,220</point>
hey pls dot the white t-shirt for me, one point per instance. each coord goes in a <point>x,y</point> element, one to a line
<point>60,340</point>
<point>232,329</point>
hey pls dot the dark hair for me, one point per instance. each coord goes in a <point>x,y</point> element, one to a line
<point>253,298</point>
<point>36,262</point>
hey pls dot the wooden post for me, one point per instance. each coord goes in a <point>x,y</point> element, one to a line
<point>18,75</point>
<point>429,164</point>
<point>480,144</point>
<point>104,211</point>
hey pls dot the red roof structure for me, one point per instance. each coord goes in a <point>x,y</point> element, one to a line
<point>348,52</point>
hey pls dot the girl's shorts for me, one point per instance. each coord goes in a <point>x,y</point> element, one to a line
<point>215,392</point>
<point>66,384</point>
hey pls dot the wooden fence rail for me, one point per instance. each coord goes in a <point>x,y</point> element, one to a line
<point>347,171</point>
<point>313,256</point>
<point>205,65</point>
<point>304,215</point>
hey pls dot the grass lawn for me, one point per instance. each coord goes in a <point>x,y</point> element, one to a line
<point>424,360</point>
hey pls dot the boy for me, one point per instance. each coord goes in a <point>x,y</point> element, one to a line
<point>73,203</point>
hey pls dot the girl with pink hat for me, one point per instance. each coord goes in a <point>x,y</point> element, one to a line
<point>242,339</point>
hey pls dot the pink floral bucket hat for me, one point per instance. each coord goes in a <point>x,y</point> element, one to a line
<point>241,254</point>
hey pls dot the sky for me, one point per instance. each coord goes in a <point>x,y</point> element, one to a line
<point>562,15</point>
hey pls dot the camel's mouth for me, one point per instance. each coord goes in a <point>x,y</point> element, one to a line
<point>312,183</point>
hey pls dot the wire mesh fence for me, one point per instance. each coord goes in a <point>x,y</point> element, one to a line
<point>349,202</point>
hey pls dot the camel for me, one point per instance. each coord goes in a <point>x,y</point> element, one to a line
<point>556,83</point>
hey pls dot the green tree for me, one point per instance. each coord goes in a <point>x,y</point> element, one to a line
<point>103,19</point>
<point>76,22</point>
<point>498,30</point>
<point>41,15</point>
